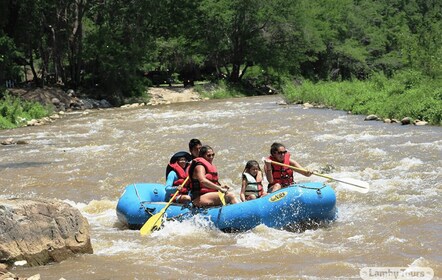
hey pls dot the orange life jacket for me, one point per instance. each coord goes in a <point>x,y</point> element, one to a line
<point>196,187</point>
<point>182,175</point>
<point>281,174</point>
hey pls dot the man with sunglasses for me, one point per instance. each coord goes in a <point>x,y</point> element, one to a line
<point>280,176</point>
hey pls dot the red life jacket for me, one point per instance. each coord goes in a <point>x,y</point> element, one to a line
<point>281,174</point>
<point>196,187</point>
<point>182,175</point>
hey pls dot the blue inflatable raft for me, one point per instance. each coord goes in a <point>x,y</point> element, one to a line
<point>296,204</point>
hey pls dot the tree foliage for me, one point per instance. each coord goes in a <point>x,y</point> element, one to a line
<point>105,46</point>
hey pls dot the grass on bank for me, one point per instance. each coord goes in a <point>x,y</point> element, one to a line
<point>220,90</point>
<point>407,94</point>
<point>15,112</point>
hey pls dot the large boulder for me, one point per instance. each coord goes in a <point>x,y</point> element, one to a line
<point>41,231</point>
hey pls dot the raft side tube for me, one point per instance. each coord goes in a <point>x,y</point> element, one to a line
<point>140,194</point>
<point>319,200</point>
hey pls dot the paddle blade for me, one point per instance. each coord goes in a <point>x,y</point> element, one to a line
<point>154,223</point>
<point>353,184</point>
<point>222,197</point>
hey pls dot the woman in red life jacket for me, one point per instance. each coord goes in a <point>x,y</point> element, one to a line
<point>252,182</point>
<point>204,181</point>
<point>176,173</point>
<point>280,176</point>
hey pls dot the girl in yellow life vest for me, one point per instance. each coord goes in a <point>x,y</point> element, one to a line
<point>252,182</point>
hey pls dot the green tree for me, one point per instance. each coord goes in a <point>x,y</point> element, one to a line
<point>118,39</point>
<point>245,33</point>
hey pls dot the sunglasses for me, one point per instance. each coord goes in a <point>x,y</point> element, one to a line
<point>210,155</point>
<point>281,152</point>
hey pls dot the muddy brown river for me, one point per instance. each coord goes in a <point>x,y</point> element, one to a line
<point>86,159</point>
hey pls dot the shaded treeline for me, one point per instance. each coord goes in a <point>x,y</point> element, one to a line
<point>106,45</point>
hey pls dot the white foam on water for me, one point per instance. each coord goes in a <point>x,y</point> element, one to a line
<point>172,128</point>
<point>43,142</point>
<point>327,137</point>
<point>100,213</point>
<point>86,149</point>
<point>377,152</point>
<point>360,137</point>
<point>394,240</point>
<point>351,138</point>
<point>407,163</point>
<point>167,115</point>
<point>352,212</point>
<point>436,144</point>
<point>420,262</point>
<point>116,247</point>
<point>338,120</point>
<point>189,227</point>
<point>258,241</point>
<point>356,238</point>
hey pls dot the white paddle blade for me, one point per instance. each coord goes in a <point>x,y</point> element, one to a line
<point>353,184</point>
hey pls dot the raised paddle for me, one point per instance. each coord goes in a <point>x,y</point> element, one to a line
<point>156,220</point>
<point>352,184</point>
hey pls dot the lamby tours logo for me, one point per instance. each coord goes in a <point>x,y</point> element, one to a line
<point>396,273</point>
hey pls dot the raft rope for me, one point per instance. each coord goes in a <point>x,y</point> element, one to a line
<point>149,211</point>
<point>318,190</point>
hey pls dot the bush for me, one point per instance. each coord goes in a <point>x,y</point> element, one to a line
<point>220,91</point>
<point>406,94</point>
<point>15,112</point>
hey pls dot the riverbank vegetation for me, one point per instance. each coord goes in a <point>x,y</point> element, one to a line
<point>15,112</point>
<point>363,56</point>
<point>406,94</point>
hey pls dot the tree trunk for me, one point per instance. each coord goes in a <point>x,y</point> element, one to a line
<point>75,44</point>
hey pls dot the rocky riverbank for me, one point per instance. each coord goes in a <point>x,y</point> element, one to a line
<point>67,101</point>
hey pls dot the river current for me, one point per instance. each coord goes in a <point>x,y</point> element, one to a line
<point>87,158</point>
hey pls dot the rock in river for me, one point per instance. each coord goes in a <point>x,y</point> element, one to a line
<point>41,231</point>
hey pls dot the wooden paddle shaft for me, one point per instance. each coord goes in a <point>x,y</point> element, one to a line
<point>315,173</point>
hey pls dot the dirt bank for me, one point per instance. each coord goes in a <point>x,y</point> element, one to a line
<point>167,95</point>
<point>159,95</point>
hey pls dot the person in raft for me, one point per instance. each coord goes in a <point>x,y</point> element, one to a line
<point>176,173</point>
<point>279,176</point>
<point>194,147</point>
<point>204,185</point>
<point>252,182</point>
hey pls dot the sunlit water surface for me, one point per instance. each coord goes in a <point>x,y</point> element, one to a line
<point>87,160</point>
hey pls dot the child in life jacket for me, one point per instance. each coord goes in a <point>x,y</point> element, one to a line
<point>176,174</point>
<point>252,182</point>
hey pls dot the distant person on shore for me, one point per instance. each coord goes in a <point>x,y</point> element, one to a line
<point>277,175</point>
<point>252,182</point>
<point>176,173</point>
<point>204,181</point>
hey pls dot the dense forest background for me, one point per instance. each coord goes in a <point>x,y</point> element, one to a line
<point>106,47</point>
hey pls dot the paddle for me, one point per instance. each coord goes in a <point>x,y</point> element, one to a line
<point>156,220</point>
<point>352,184</point>
<point>222,197</point>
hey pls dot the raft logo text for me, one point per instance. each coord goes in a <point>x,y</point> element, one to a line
<point>278,196</point>
<point>396,273</point>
